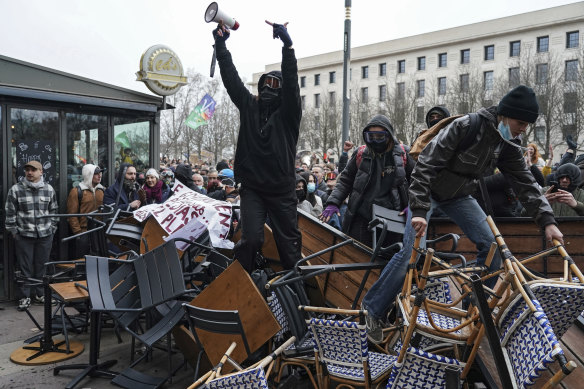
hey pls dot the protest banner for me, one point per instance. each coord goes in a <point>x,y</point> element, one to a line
<point>187,209</point>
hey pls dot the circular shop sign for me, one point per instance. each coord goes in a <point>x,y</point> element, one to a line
<point>161,70</point>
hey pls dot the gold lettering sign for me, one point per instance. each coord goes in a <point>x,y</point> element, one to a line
<point>161,70</point>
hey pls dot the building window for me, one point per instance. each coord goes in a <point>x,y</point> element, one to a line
<point>514,48</point>
<point>572,39</point>
<point>441,86</point>
<point>420,88</point>
<point>489,53</point>
<point>513,77</point>
<point>401,66</point>
<point>332,98</point>
<point>316,79</point>
<point>465,56</point>
<point>302,81</point>
<point>364,71</point>
<point>382,69</point>
<point>570,102</point>
<point>442,58</point>
<point>569,129</point>
<point>540,134</point>
<point>382,92</point>
<point>332,77</point>
<point>543,43</point>
<point>303,102</point>
<point>541,73</point>
<point>420,114</point>
<point>571,71</point>
<point>365,95</point>
<point>421,63</point>
<point>400,92</point>
<point>542,102</point>
<point>464,83</point>
<point>317,100</point>
<point>488,80</point>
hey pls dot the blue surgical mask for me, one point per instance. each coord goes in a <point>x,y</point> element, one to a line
<point>200,187</point>
<point>505,131</point>
<point>311,187</point>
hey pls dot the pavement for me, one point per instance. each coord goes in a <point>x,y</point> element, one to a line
<point>15,327</point>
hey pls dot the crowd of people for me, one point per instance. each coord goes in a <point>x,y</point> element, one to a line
<point>491,174</point>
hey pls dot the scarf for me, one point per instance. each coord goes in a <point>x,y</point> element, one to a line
<point>154,193</point>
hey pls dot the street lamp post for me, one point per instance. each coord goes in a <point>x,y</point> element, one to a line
<point>346,62</point>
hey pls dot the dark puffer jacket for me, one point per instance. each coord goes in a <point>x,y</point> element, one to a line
<point>355,180</point>
<point>265,155</point>
<point>184,174</point>
<point>444,173</point>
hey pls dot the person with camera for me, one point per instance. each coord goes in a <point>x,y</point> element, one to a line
<point>564,195</point>
<point>266,151</point>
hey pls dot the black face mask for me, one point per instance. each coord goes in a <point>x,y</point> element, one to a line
<point>378,148</point>
<point>300,195</point>
<point>269,97</point>
<point>431,123</point>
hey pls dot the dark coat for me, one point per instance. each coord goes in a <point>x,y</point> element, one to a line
<point>265,154</point>
<point>444,173</point>
<point>111,193</point>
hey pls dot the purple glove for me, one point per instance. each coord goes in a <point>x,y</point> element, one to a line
<point>280,31</point>
<point>329,211</point>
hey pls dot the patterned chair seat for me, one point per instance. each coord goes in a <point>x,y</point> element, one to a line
<point>421,370</point>
<point>379,364</point>
<point>528,341</point>
<point>561,302</point>
<point>247,379</point>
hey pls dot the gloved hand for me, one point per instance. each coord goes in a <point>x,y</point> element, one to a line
<point>328,212</point>
<point>571,144</point>
<point>280,31</point>
<point>221,33</point>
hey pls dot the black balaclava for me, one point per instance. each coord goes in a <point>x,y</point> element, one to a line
<point>269,98</point>
<point>441,110</point>
<point>383,122</point>
<point>572,172</point>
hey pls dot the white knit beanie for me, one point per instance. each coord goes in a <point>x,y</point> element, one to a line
<point>153,172</point>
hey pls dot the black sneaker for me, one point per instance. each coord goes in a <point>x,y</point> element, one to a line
<point>23,303</point>
<point>374,327</point>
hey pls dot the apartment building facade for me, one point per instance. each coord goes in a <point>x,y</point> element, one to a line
<point>481,61</point>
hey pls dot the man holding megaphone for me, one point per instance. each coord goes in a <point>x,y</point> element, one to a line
<point>266,151</point>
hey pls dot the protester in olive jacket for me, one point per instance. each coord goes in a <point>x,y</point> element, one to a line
<point>266,150</point>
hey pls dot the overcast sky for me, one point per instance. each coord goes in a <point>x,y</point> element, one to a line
<point>104,39</point>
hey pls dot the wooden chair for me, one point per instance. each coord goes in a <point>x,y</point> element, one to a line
<point>342,352</point>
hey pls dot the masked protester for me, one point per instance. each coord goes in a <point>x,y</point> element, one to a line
<point>564,195</point>
<point>305,192</point>
<point>125,194</point>
<point>265,154</point>
<point>435,114</point>
<point>376,174</point>
<point>184,174</point>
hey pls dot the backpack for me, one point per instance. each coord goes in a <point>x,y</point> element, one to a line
<point>426,136</point>
<point>362,148</point>
<point>80,195</point>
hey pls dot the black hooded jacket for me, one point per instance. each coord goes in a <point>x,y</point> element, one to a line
<point>184,174</point>
<point>265,155</point>
<point>438,108</point>
<point>111,194</point>
<point>360,182</point>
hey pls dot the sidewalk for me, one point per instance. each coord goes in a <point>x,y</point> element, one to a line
<point>16,326</point>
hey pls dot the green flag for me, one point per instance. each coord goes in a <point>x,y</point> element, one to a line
<point>122,138</point>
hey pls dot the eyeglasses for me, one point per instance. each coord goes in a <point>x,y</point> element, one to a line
<point>376,136</point>
<point>272,82</point>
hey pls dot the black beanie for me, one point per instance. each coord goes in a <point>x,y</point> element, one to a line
<point>519,104</point>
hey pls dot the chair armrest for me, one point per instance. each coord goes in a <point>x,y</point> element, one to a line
<point>451,236</point>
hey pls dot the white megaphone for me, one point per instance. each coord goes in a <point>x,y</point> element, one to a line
<point>214,14</point>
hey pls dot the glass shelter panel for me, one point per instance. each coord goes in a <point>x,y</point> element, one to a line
<point>132,143</point>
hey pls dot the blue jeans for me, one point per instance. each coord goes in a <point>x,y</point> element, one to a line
<point>471,219</point>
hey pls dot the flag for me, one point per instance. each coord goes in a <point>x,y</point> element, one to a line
<point>202,112</point>
<point>122,138</point>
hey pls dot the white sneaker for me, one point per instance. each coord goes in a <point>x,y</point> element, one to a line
<point>23,303</point>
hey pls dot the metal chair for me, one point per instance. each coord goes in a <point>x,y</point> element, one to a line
<point>215,321</point>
